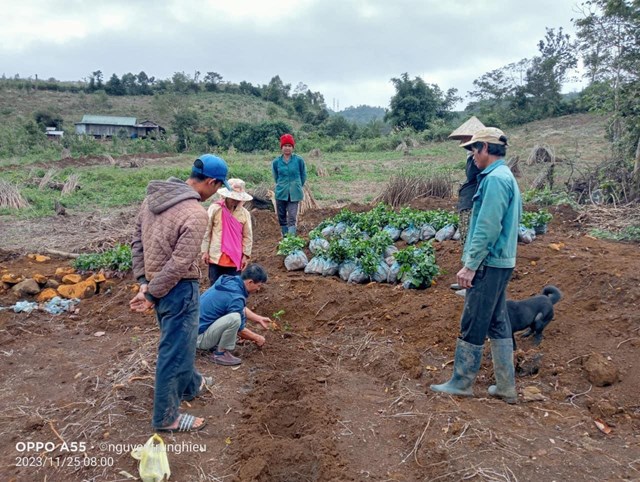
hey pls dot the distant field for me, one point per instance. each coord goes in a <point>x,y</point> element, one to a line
<point>346,177</point>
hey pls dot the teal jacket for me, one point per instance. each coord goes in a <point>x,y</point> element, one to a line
<point>290,177</point>
<point>495,219</point>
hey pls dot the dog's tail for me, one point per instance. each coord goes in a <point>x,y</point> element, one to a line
<point>553,293</point>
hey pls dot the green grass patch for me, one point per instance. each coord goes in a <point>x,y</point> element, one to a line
<point>630,233</point>
<point>107,187</point>
<point>116,259</point>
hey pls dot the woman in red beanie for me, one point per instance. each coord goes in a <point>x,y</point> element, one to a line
<point>290,174</point>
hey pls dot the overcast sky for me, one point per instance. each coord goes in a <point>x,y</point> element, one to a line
<point>346,49</point>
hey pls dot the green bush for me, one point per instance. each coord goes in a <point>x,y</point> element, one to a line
<point>418,264</point>
<point>547,197</point>
<point>531,219</point>
<point>290,244</point>
<point>116,259</point>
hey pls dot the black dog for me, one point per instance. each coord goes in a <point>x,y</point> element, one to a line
<point>534,313</point>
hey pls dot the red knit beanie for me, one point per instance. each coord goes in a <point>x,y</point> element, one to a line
<point>287,139</point>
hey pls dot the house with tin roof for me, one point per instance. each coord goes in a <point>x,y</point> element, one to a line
<point>104,126</point>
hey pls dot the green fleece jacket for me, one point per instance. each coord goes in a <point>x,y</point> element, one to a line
<point>495,219</point>
<point>290,177</point>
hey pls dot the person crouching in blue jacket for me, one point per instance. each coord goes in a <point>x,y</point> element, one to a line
<point>489,257</point>
<point>224,312</point>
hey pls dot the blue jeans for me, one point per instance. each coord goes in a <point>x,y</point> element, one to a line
<point>485,306</point>
<point>176,377</point>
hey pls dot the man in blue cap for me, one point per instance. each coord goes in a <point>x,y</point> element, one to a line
<point>165,250</point>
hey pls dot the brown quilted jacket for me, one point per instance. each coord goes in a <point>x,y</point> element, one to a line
<point>168,235</point>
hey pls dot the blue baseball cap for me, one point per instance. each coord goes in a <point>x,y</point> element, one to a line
<point>212,166</point>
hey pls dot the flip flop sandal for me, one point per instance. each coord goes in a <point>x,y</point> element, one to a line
<point>185,424</point>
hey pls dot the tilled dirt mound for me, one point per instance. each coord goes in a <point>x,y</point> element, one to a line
<point>343,393</point>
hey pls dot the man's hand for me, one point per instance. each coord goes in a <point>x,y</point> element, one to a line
<point>465,277</point>
<point>139,303</point>
<point>206,258</point>
<point>264,321</point>
<point>244,263</point>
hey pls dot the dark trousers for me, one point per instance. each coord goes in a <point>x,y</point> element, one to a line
<point>215,271</point>
<point>287,212</point>
<point>176,377</point>
<point>485,308</point>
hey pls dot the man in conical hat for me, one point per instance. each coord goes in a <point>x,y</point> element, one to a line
<point>464,133</point>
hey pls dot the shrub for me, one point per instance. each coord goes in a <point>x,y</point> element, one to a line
<point>116,259</point>
<point>531,219</point>
<point>290,244</point>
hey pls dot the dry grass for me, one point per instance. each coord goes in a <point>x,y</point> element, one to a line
<point>308,203</point>
<point>10,196</point>
<point>541,153</point>
<point>71,184</point>
<point>263,198</point>
<point>610,218</point>
<point>403,188</point>
<point>46,179</point>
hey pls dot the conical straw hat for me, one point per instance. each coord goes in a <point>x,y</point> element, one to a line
<point>467,129</point>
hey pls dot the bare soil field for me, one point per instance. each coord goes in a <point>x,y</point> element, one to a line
<point>343,395</point>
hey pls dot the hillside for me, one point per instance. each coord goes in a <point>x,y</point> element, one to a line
<point>363,114</point>
<point>579,137</point>
<point>212,108</point>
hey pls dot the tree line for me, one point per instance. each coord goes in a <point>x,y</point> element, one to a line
<point>607,41</point>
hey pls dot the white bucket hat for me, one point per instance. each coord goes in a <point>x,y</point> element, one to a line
<point>238,191</point>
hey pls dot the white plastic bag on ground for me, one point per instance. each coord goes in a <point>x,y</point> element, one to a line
<point>154,463</point>
<point>411,235</point>
<point>446,233</point>
<point>358,276</point>
<point>339,228</point>
<point>318,243</point>
<point>25,306</point>
<point>526,235</point>
<point>296,260</point>
<point>314,266</point>
<point>329,267</point>
<point>427,232</point>
<point>327,232</point>
<point>394,272</point>
<point>390,251</point>
<point>393,232</point>
<point>382,273</point>
<point>345,269</point>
